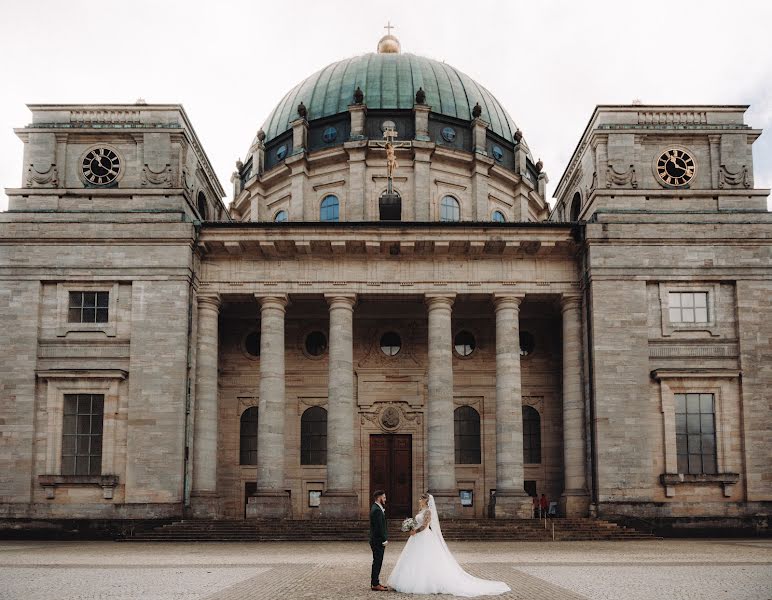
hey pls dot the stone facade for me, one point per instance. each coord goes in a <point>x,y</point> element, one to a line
<point>209,314</point>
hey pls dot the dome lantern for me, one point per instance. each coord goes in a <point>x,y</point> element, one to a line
<point>389,44</point>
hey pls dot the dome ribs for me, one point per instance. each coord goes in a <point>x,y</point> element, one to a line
<point>389,82</point>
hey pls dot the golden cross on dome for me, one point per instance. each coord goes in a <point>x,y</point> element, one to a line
<point>388,27</point>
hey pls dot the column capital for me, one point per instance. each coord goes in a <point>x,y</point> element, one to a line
<point>570,302</point>
<point>341,300</point>
<point>502,301</point>
<point>434,301</point>
<point>210,301</point>
<point>279,301</point>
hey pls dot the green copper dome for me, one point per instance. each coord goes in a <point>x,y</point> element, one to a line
<point>389,81</point>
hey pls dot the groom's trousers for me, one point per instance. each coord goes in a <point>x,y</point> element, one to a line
<point>375,573</point>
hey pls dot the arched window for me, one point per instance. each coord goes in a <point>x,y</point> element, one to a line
<point>450,210</point>
<point>248,437</point>
<point>329,208</point>
<point>467,428</point>
<point>576,207</point>
<point>390,207</point>
<point>313,436</point>
<point>280,217</point>
<point>498,217</point>
<point>531,435</point>
<point>203,213</point>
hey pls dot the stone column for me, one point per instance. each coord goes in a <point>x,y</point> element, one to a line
<point>271,499</point>
<point>204,488</point>
<point>441,443</point>
<point>511,499</point>
<point>574,501</point>
<point>340,500</point>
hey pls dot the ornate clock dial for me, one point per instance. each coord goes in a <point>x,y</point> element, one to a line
<point>101,166</point>
<point>675,167</point>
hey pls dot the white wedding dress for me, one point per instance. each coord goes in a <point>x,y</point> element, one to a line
<point>426,565</point>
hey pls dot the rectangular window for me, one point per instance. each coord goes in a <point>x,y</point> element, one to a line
<point>696,433</point>
<point>88,307</point>
<point>688,307</point>
<point>82,434</point>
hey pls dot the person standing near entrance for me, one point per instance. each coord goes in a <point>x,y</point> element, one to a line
<point>378,538</point>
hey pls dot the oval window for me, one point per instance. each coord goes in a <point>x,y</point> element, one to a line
<point>498,153</point>
<point>281,152</point>
<point>448,134</point>
<point>329,135</point>
<point>464,343</point>
<point>391,343</point>
<point>316,343</point>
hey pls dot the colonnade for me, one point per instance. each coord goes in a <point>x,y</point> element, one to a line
<point>340,498</point>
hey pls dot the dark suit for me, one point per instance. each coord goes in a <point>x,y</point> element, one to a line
<point>378,535</point>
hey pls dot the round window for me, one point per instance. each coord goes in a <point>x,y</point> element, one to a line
<point>281,216</point>
<point>464,343</point>
<point>527,343</point>
<point>391,343</point>
<point>498,153</point>
<point>316,343</point>
<point>498,216</point>
<point>281,152</point>
<point>252,344</point>
<point>448,134</point>
<point>329,135</point>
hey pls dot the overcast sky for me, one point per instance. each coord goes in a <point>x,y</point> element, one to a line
<point>229,63</point>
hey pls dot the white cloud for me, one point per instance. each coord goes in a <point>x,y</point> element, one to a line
<point>228,63</point>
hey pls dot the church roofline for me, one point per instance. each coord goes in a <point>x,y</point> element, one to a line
<point>628,108</point>
<point>140,108</point>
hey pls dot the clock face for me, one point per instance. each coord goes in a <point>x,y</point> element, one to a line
<point>101,166</point>
<point>676,167</point>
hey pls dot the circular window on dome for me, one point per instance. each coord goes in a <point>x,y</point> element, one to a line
<point>316,344</point>
<point>330,134</point>
<point>281,216</point>
<point>498,153</point>
<point>498,217</point>
<point>252,344</point>
<point>464,343</point>
<point>386,125</point>
<point>281,152</point>
<point>527,343</point>
<point>448,134</point>
<point>391,343</point>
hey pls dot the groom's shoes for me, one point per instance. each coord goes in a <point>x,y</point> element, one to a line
<point>379,588</point>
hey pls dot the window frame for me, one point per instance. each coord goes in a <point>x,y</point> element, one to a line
<point>306,462</point>
<point>322,207</point>
<point>442,206</point>
<point>65,327</point>
<point>495,212</point>
<point>280,211</point>
<point>672,327</point>
<point>458,437</point>
<point>242,436</point>
<point>526,408</point>
<point>685,433</point>
<point>78,433</point>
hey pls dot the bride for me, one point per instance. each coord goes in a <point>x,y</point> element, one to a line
<point>426,565</point>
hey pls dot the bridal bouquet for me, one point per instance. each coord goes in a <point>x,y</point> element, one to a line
<point>409,524</point>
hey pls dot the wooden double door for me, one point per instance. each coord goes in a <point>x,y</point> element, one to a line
<point>391,469</point>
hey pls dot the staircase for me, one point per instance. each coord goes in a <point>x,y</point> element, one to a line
<point>505,530</point>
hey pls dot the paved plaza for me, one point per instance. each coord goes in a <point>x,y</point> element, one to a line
<point>672,569</point>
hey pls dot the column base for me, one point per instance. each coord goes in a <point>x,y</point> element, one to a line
<point>204,505</point>
<point>269,504</point>
<point>574,503</point>
<point>513,505</point>
<point>339,504</point>
<point>448,503</point>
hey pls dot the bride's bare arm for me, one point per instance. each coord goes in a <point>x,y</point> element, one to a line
<point>427,521</point>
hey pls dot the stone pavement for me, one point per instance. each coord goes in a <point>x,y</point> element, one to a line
<point>672,569</point>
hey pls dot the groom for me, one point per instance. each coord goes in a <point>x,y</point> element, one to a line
<point>378,541</point>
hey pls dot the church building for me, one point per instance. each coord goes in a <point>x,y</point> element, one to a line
<point>387,301</point>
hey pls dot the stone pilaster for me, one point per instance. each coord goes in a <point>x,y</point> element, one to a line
<point>574,501</point>
<point>204,487</point>
<point>421,114</point>
<point>358,113</point>
<point>340,500</point>
<point>422,152</point>
<point>271,499</point>
<point>511,499</point>
<point>441,443</point>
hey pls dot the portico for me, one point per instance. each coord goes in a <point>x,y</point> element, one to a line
<point>414,282</point>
